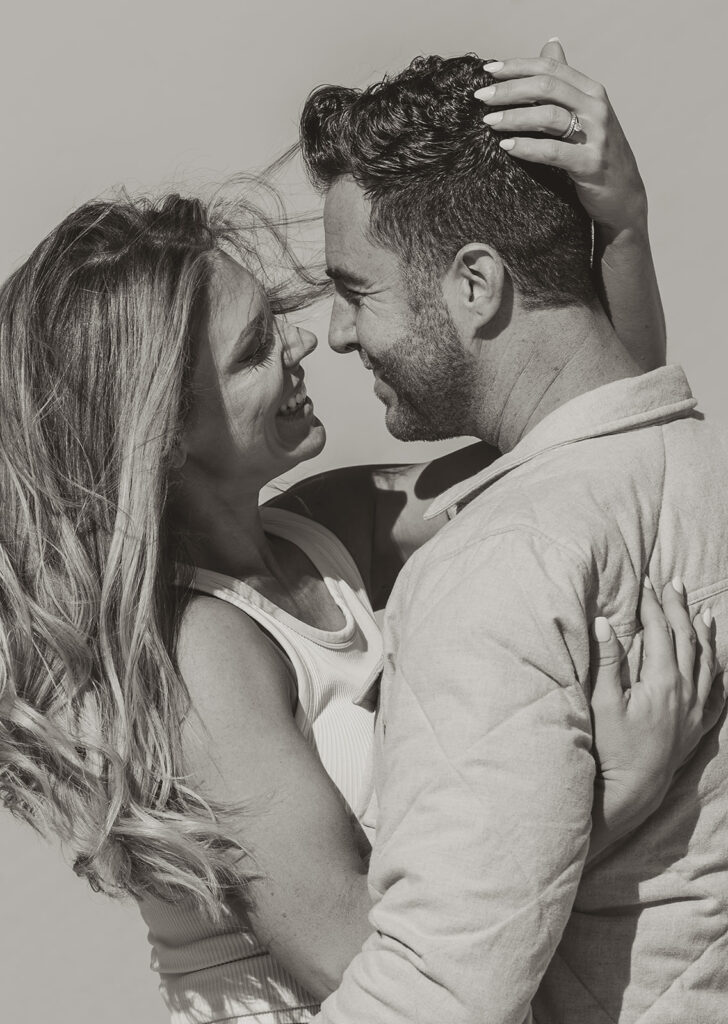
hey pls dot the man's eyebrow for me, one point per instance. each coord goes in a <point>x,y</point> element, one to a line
<point>336,274</point>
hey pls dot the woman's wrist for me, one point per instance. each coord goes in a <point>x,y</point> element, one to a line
<point>619,810</point>
<point>628,228</point>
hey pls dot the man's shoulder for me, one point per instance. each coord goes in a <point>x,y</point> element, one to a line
<point>489,545</point>
<point>546,501</point>
<point>573,499</point>
<point>583,496</point>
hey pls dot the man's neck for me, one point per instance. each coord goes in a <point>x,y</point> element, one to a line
<point>549,358</point>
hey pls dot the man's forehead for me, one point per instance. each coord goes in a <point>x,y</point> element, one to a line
<point>350,252</point>
<point>346,221</point>
<point>346,206</point>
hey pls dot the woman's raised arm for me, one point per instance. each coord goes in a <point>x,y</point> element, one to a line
<point>541,95</point>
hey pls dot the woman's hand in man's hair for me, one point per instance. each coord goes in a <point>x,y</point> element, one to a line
<point>535,100</point>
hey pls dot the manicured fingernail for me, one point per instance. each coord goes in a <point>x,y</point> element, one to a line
<point>677,584</point>
<point>647,583</point>
<point>485,94</point>
<point>708,617</point>
<point>493,118</point>
<point>553,39</point>
<point>507,144</point>
<point>602,629</point>
<point>493,65</point>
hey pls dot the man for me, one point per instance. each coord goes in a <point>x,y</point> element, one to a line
<point>463,281</point>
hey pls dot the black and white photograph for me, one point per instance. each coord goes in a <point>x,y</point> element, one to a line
<point>363,512</point>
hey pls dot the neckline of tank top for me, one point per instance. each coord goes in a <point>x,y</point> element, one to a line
<point>217,581</point>
<point>279,524</point>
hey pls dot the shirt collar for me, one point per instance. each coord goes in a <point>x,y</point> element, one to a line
<point>651,398</point>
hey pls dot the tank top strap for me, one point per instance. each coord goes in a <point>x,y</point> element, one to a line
<point>330,556</point>
<point>215,585</point>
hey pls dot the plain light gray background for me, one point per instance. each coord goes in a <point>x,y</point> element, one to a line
<point>153,93</point>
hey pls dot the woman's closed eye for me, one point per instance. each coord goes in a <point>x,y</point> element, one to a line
<point>261,347</point>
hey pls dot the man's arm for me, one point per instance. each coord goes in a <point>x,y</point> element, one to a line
<point>485,789</point>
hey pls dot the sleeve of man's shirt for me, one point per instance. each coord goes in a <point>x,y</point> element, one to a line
<point>486,789</point>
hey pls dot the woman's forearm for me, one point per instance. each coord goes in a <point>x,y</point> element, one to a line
<point>627,287</point>
<point>346,928</point>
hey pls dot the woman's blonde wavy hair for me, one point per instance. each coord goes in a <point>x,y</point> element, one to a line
<point>96,333</point>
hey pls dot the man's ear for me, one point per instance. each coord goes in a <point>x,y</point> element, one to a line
<point>474,285</point>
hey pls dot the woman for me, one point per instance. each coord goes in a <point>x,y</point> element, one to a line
<point>178,666</point>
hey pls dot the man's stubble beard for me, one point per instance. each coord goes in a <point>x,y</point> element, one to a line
<point>430,376</point>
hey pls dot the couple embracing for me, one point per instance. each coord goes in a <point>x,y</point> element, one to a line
<point>196,693</point>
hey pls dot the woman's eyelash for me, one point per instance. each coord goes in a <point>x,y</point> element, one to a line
<point>262,351</point>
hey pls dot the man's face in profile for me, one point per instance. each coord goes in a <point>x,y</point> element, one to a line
<point>412,348</point>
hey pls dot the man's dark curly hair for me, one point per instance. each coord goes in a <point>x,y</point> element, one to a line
<point>437,179</point>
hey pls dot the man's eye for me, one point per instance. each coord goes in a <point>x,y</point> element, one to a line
<point>354,298</point>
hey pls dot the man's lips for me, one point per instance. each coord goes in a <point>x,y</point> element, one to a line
<point>375,369</point>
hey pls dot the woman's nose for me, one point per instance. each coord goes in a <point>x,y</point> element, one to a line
<point>297,344</point>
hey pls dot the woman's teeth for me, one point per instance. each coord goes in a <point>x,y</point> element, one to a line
<point>294,403</point>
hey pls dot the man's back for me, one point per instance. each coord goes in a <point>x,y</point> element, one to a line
<point>483,705</point>
<point>647,938</point>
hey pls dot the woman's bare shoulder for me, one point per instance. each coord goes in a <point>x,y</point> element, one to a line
<point>225,657</point>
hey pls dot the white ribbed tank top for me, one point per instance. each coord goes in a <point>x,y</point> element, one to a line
<point>219,972</point>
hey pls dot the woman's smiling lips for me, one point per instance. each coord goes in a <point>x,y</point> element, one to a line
<point>296,412</point>
<point>294,402</point>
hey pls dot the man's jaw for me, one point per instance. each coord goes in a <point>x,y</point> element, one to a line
<point>402,417</point>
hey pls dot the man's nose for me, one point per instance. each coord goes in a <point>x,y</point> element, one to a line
<point>342,329</point>
<point>297,344</point>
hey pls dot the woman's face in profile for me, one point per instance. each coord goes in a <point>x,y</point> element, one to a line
<point>249,416</point>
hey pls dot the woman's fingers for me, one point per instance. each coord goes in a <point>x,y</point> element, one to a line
<point>681,657</point>
<point>714,705</point>
<point>710,685</point>
<point>538,97</point>
<point>517,92</point>
<point>606,665</point>
<point>705,670</point>
<point>548,151</point>
<point>659,651</point>
<point>553,49</point>
<point>543,67</point>
<point>547,118</point>
<point>675,610</point>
